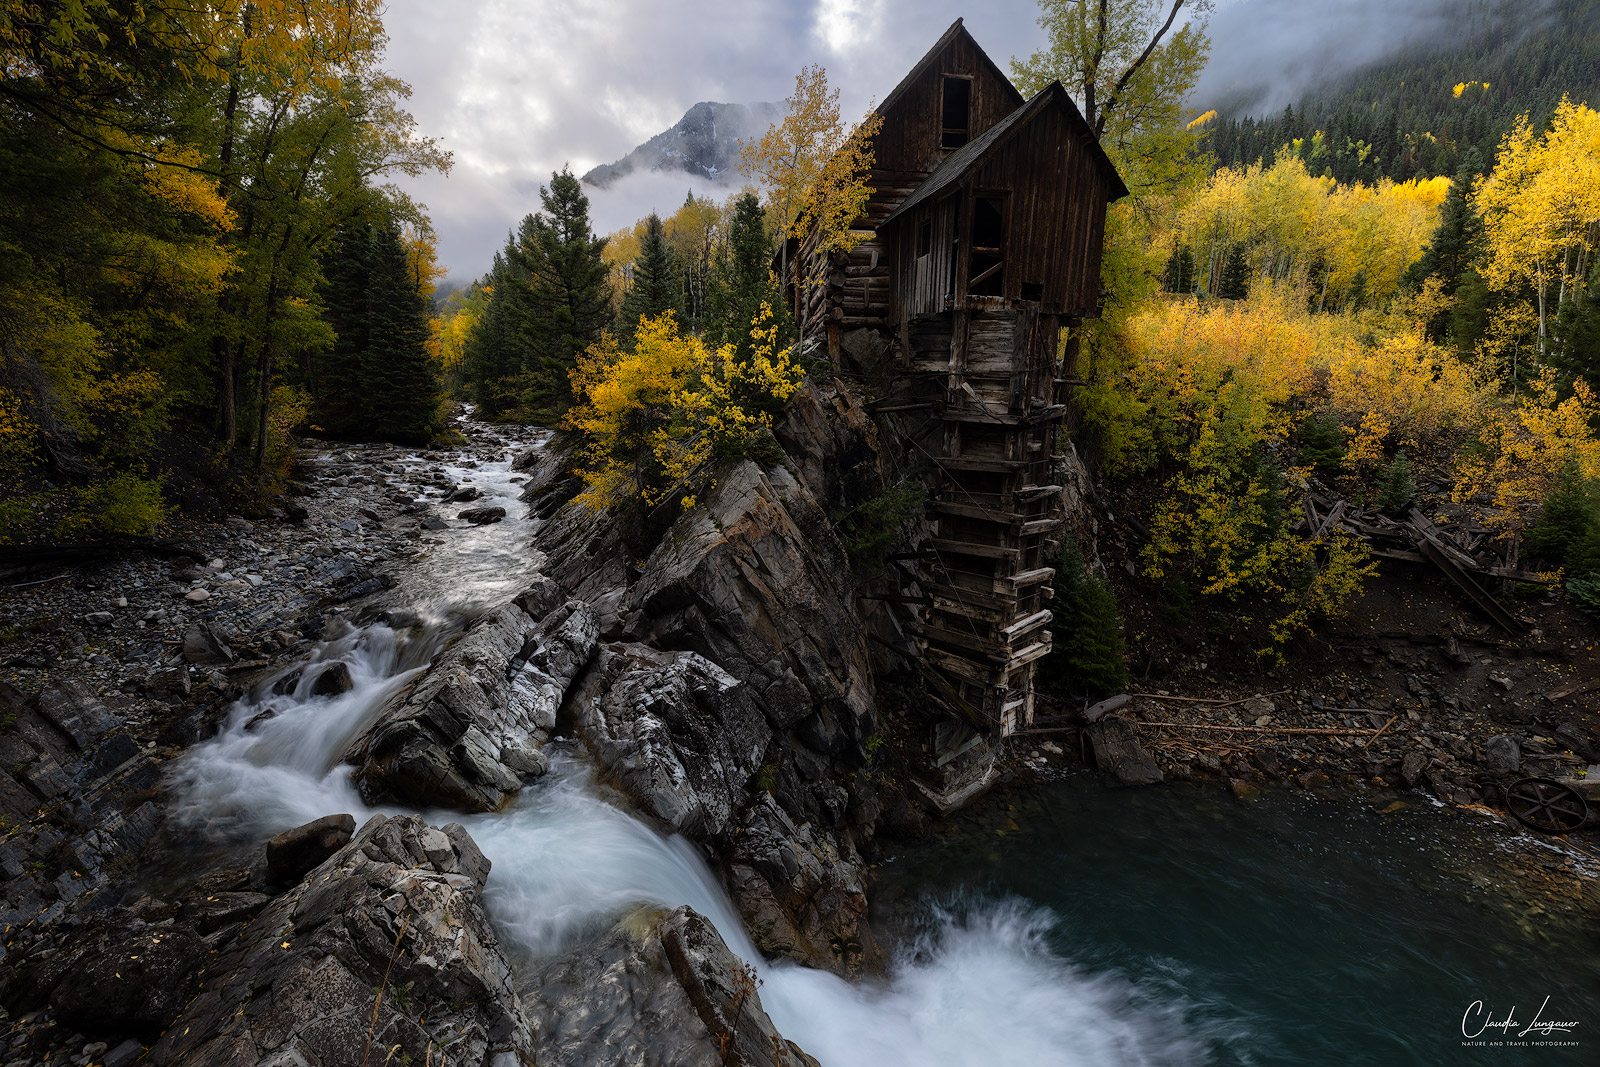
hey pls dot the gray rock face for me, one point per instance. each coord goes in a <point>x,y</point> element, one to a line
<point>680,735</point>
<point>294,852</point>
<point>705,143</point>
<point>657,990</point>
<point>802,895</point>
<point>398,909</point>
<point>476,724</point>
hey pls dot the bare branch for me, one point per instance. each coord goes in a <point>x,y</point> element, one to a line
<point>1127,75</point>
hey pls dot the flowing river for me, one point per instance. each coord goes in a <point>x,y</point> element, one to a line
<point>1081,926</point>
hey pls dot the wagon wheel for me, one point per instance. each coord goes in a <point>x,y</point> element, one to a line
<point>1546,805</point>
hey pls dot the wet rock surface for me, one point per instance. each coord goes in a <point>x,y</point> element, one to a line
<point>397,909</point>
<point>477,722</point>
<point>659,989</point>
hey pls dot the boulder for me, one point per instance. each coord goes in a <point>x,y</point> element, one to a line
<point>1503,754</point>
<point>482,516</point>
<point>463,494</point>
<point>332,680</point>
<point>206,646</point>
<point>802,895</point>
<point>294,852</point>
<point>678,734</point>
<point>136,981</point>
<point>468,732</point>
<point>397,912</point>
<point>659,989</point>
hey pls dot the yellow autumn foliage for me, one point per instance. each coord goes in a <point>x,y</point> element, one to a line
<point>651,419</point>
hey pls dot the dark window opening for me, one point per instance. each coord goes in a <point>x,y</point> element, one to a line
<point>986,267</point>
<point>924,238</point>
<point>957,112</point>
<point>1033,291</point>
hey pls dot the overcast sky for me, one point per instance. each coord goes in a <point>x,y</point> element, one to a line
<point>516,88</point>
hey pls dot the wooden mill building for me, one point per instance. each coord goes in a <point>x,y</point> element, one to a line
<point>984,240</point>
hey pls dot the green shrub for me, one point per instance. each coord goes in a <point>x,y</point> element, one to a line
<point>1568,528</point>
<point>123,504</point>
<point>871,528</point>
<point>1320,442</point>
<point>1584,591</point>
<point>1396,490</point>
<point>1086,656</point>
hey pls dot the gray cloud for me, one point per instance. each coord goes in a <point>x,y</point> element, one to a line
<point>517,88</point>
<point>1268,53</point>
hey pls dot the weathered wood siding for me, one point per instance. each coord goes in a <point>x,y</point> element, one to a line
<point>913,116</point>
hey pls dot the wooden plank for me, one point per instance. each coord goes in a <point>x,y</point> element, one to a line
<point>1439,558</point>
<point>1033,577</point>
<point>970,548</point>
<point>1032,622</point>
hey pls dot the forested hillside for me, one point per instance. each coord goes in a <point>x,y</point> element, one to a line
<point>1422,112</point>
<point>198,255</point>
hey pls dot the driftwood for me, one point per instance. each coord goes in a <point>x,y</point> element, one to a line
<point>1381,729</point>
<point>1319,730</point>
<point>1220,702</point>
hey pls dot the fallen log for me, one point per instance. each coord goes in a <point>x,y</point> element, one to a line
<point>1322,731</point>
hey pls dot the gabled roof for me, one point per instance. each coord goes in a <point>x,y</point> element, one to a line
<point>970,155</point>
<point>956,30</point>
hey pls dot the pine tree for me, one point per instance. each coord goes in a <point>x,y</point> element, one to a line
<point>1235,281</point>
<point>1086,655</point>
<point>500,346</point>
<point>1576,348</point>
<point>570,304</point>
<point>655,283</point>
<point>1178,277</point>
<point>400,395</point>
<point>1456,243</point>
<point>742,278</point>
<point>337,385</point>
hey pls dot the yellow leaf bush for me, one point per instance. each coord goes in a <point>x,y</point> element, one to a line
<point>652,418</point>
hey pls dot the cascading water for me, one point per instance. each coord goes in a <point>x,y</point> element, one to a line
<point>980,986</point>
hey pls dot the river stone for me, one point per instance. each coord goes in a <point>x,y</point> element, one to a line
<point>482,516</point>
<point>205,646</point>
<point>1503,753</point>
<point>392,910</point>
<point>294,852</point>
<point>332,680</point>
<point>463,493</point>
<point>1412,766</point>
<point>661,989</point>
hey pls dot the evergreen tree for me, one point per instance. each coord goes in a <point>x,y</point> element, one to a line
<point>338,383</point>
<point>400,393</point>
<point>742,278</point>
<point>1235,281</point>
<point>499,346</point>
<point>1576,348</point>
<point>1178,277</point>
<point>1086,656</point>
<point>655,283</point>
<point>1456,243</point>
<point>569,305</point>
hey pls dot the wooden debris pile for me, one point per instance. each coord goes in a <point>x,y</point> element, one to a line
<point>1468,555</point>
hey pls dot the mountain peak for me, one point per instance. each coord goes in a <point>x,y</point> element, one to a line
<point>704,143</point>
